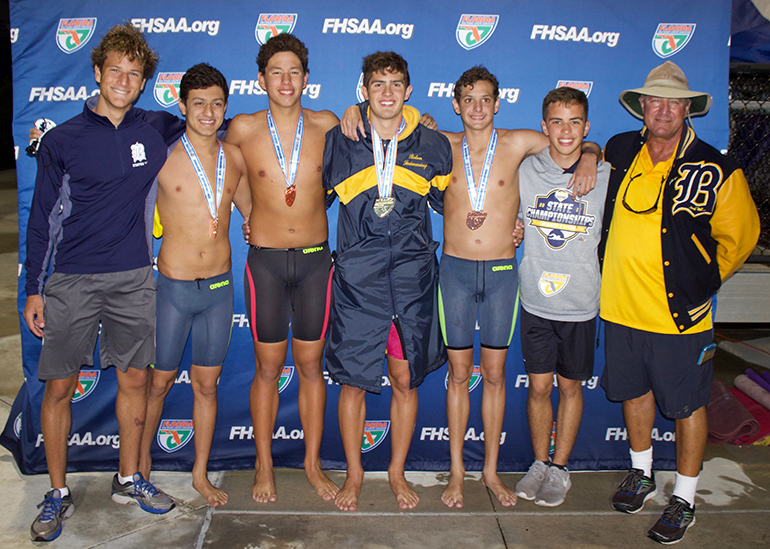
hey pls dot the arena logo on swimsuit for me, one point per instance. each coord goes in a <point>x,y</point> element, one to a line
<point>166,88</point>
<point>87,382</point>
<point>374,433</point>
<point>670,38</point>
<point>174,434</point>
<point>73,34</point>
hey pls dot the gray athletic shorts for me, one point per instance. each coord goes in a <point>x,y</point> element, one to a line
<point>76,305</point>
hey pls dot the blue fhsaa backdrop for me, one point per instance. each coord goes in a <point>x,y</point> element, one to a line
<point>599,46</point>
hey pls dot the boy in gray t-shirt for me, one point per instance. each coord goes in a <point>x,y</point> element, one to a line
<point>559,286</point>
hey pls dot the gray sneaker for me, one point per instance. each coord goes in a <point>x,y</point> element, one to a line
<point>143,494</point>
<point>528,486</point>
<point>55,509</point>
<point>554,488</point>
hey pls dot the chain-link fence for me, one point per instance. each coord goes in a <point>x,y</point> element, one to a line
<point>750,140</point>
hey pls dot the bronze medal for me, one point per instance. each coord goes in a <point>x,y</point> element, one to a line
<point>290,193</point>
<point>383,206</point>
<point>214,226</point>
<point>475,220</point>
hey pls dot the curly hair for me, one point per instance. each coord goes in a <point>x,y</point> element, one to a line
<point>280,43</point>
<point>479,73</point>
<point>384,61</point>
<point>201,77</point>
<point>566,96</point>
<point>128,41</point>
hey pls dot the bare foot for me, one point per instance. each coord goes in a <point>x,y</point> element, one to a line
<point>263,490</point>
<point>453,495</point>
<point>324,487</point>
<point>405,496</point>
<point>347,498</point>
<point>504,495</point>
<point>213,495</point>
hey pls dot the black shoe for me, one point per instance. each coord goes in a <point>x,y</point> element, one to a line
<point>635,489</point>
<point>673,524</point>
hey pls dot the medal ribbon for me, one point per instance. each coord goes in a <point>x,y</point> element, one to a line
<point>478,194</point>
<point>204,180</point>
<point>291,175</point>
<point>385,167</point>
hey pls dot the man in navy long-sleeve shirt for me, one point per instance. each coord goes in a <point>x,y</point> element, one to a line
<point>89,219</point>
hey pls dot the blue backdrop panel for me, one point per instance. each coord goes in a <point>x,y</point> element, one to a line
<point>601,46</point>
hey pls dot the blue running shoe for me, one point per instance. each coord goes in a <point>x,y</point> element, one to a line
<point>143,493</point>
<point>55,509</point>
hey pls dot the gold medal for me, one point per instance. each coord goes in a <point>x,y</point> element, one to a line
<point>290,194</point>
<point>475,220</point>
<point>383,206</point>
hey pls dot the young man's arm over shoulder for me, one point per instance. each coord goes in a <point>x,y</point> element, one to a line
<point>242,197</point>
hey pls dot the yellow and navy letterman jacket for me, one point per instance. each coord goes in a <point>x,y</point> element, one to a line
<point>710,223</point>
<point>386,269</point>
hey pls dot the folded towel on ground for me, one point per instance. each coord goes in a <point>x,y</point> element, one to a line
<point>753,390</point>
<point>728,418</point>
<point>760,413</point>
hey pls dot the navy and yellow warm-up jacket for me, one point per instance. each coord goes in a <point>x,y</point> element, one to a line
<point>386,271</point>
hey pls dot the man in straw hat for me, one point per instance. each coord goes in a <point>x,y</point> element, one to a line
<point>679,219</point>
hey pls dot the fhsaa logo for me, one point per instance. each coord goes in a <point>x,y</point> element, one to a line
<point>273,24</point>
<point>474,381</point>
<point>167,88</point>
<point>17,426</point>
<point>374,433</point>
<point>359,93</point>
<point>73,34</point>
<point>585,87</point>
<point>473,30</point>
<point>174,434</point>
<point>551,284</point>
<point>87,382</point>
<point>286,376</point>
<point>670,38</point>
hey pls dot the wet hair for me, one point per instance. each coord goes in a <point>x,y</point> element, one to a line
<point>566,96</point>
<point>127,41</point>
<point>200,77</point>
<point>280,43</point>
<point>384,61</point>
<point>479,73</point>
